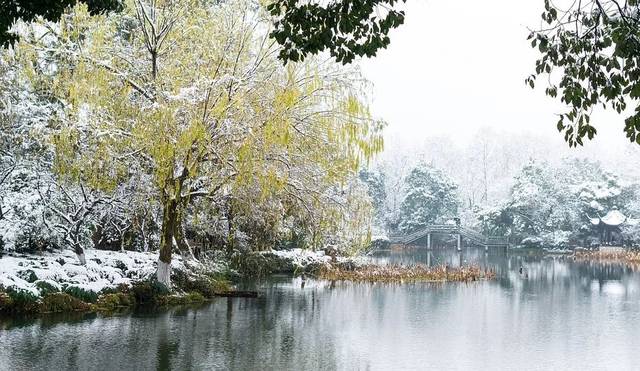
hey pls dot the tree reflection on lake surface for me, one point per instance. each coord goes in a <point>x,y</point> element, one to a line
<point>556,314</point>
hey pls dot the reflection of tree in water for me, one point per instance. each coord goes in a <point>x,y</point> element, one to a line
<point>277,331</point>
<point>561,277</point>
<point>339,325</point>
<point>283,331</point>
<point>540,273</point>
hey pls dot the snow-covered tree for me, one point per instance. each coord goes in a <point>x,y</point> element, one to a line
<point>551,205</point>
<point>431,196</point>
<point>533,197</point>
<point>376,189</point>
<point>194,96</point>
<point>71,213</point>
<point>26,155</point>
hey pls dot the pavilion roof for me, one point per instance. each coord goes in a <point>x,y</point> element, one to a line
<point>613,218</point>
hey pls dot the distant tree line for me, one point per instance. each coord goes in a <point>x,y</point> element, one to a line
<point>546,205</point>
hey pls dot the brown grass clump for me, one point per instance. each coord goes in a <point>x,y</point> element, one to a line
<point>631,258</point>
<point>405,273</point>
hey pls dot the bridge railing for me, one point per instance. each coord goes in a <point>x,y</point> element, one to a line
<point>470,234</point>
<point>494,240</point>
<point>449,228</point>
<point>473,235</point>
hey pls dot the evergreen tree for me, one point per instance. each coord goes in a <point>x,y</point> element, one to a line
<point>375,182</point>
<point>431,196</point>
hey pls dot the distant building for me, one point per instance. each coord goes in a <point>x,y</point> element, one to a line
<point>609,227</point>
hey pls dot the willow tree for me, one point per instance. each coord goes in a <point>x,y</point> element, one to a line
<point>194,95</point>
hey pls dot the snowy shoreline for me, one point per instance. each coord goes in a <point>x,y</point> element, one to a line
<point>104,269</point>
<point>110,269</point>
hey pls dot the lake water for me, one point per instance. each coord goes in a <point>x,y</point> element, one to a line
<point>557,314</point>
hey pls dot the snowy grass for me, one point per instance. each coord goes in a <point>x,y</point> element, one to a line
<point>104,269</point>
<point>301,258</point>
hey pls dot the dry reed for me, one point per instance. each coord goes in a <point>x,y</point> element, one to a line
<point>405,273</point>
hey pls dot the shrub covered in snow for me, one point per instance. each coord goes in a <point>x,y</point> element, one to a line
<point>51,272</point>
<point>15,300</point>
<point>56,282</point>
<point>294,261</point>
<point>551,239</point>
<point>278,261</point>
<point>380,242</point>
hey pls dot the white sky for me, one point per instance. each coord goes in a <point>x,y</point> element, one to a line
<point>457,66</point>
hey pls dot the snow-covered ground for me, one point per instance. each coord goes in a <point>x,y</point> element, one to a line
<point>301,259</point>
<point>104,269</point>
<point>108,269</point>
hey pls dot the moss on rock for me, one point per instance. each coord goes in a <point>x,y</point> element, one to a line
<point>195,297</point>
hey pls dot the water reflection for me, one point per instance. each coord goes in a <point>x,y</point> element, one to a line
<point>557,314</point>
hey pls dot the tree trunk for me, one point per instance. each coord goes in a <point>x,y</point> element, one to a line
<point>183,244</point>
<point>231,231</point>
<point>154,64</point>
<point>169,223</point>
<point>181,239</point>
<point>145,241</point>
<point>80,253</point>
<point>122,242</point>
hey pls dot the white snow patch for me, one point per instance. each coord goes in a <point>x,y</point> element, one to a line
<point>383,238</point>
<point>301,257</point>
<point>104,269</point>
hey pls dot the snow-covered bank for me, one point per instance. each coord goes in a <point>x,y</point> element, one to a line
<point>110,269</point>
<point>56,282</point>
<point>299,260</point>
<point>104,269</point>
